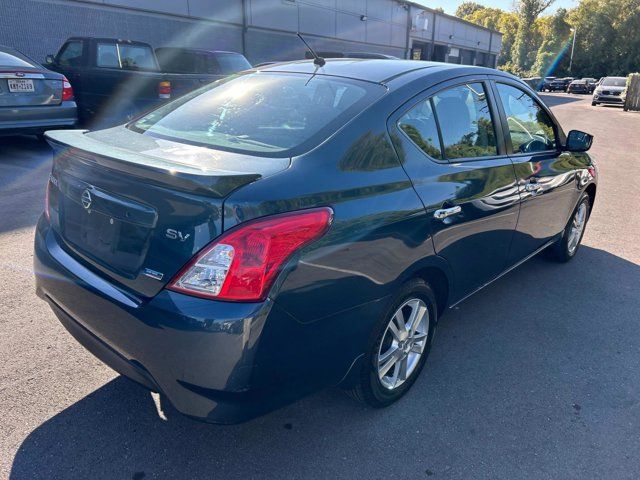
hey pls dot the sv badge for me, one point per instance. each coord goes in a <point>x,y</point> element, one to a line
<point>173,234</point>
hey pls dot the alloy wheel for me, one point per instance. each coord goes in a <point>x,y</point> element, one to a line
<point>403,343</point>
<point>577,227</point>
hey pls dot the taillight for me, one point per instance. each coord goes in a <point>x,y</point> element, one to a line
<point>164,90</point>
<point>67,90</point>
<point>242,264</point>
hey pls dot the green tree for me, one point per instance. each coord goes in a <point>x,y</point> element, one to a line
<point>467,8</point>
<point>552,56</point>
<point>607,37</point>
<point>504,22</point>
<point>525,43</point>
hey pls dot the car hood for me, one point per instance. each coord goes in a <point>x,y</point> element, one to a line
<point>613,89</point>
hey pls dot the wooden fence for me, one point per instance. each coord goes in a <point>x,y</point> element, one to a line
<point>632,101</point>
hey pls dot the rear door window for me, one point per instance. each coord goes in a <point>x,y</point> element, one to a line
<point>530,127</point>
<point>125,56</point>
<point>264,113</point>
<point>419,124</point>
<point>108,55</point>
<point>465,122</point>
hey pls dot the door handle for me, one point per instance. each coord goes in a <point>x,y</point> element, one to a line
<point>443,213</point>
<point>532,187</point>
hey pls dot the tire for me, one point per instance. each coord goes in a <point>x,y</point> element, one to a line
<point>593,104</point>
<point>382,390</point>
<point>567,246</point>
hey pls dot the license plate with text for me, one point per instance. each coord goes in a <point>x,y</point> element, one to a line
<point>21,85</point>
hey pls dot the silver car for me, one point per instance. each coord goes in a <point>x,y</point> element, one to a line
<point>32,98</point>
<point>609,91</point>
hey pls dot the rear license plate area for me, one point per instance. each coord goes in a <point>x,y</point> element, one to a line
<point>21,85</point>
<point>111,230</point>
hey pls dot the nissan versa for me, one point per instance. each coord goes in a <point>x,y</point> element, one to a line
<point>301,226</point>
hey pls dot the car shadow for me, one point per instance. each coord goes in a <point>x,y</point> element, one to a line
<point>555,100</point>
<point>512,372</point>
<point>25,163</point>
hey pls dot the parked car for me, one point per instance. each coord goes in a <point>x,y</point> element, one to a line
<point>591,82</point>
<point>288,229</point>
<point>113,80</point>
<point>609,91</point>
<point>546,82</point>
<point>559,84</point>
<point>579,86</point>
<point>32,98</point>
<point>534,82</point>
<point>198,67</point>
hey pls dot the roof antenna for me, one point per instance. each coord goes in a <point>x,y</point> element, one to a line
<point>317,59</point>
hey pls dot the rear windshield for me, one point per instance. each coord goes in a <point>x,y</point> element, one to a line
<point>614,82</point>
<point>126,56</point>
<point>232,62</point>
<point>14,59</point>
<point>261,113</point>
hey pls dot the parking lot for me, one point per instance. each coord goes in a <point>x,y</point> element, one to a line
<point>537,376</point>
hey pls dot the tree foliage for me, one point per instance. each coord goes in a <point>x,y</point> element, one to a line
<point>467,8</point>
<point>607,37</point>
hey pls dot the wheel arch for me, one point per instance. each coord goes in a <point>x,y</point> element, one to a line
<point>591,191</point>
<point>435,271</point>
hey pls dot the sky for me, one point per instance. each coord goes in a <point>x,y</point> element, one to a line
<point>451,5</point>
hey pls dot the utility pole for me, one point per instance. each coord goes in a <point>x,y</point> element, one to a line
<point>573,46</point>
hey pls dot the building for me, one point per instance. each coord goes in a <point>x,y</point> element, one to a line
<point>262,29</point>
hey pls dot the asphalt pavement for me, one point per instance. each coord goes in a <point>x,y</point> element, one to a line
<point>536,377</point>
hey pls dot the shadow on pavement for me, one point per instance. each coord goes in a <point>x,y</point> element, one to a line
<point>25,162</point>
<point>527,379</point>
<point>559,99</point>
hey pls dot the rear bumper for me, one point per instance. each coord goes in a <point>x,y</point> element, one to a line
<point>199,357</point>
<point>219,362</point>
<point>38,119</point>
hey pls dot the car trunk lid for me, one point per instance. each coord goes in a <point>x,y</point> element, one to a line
<point>27,87</point>
<point>138,214</point>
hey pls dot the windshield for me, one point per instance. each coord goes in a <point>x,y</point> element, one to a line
<point>232,63</point>
<point>614,82</point>
<point>264,113</point>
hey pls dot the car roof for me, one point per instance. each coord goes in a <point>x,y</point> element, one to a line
<point>370,70</point>
<point>107,39</point>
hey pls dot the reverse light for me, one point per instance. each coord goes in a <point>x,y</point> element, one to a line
<point>67,90</point>
<point>243,263</point>
<point>164,90</point>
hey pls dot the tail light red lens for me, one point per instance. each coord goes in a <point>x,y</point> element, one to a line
<point>243,263</point>
<point>67,91</point>
<point>164,90</point>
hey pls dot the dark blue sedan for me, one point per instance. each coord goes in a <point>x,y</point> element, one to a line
<point>299,226</point>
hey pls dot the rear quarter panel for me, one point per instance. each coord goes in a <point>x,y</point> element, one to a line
<point>335,290</point>
<point>379,226</point>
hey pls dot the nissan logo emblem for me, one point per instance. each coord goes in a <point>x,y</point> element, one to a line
<point>86,199</point>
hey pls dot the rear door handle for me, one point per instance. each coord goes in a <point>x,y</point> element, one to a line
<point>443,213</point>
<point>533,187</point>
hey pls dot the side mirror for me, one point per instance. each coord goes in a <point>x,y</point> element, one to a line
<point>50,59</point>
<point>578,141</point>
